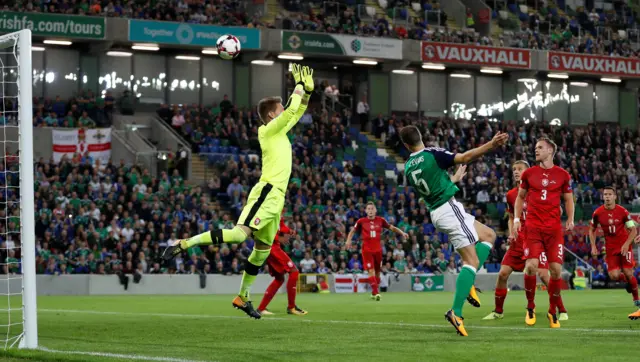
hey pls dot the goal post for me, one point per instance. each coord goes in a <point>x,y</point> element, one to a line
<point>17,109</point>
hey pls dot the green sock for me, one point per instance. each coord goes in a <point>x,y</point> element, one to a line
<point>254,262</point>
<point>465,281</point>
<point>483,250</point>
<point>232,236</point>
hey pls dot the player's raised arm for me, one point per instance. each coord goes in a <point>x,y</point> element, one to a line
<point>287,118</point>
<point>498,140</point>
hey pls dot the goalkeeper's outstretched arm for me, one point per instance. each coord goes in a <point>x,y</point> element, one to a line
<point>286,120</point>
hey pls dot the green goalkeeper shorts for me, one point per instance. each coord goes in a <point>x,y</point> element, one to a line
<point>262,212</point>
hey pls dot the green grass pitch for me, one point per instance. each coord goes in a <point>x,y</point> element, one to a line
<point>402,327</point>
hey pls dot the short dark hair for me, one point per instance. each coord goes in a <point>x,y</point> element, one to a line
<point>612,188</point>
<point>411,136</point>
<point>267,105</point>
<point>521,162</point>
<point>550,143</point>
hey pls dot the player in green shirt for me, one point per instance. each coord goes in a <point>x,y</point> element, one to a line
<point>426,171</point>
<point>260,217</point>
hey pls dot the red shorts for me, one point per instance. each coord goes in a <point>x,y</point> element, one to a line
<point>544,244</point>
<point>371,260</point>
<point>279,262</point>
<point>617,261</point>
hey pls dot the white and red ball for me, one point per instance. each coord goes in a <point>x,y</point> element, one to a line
<point>228,46</point>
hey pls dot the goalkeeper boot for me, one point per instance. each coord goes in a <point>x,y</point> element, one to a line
<point>493,315</point>
<point>297,311</point>
<point>456,322</point>
<point>246,307</point>
<point>473,298</point>
<point>174,249</point>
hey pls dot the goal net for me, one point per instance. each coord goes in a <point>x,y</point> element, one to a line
<point>18,326</point>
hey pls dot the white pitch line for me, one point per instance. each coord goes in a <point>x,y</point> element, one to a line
<point>117,355</point>
<point>327,321</point>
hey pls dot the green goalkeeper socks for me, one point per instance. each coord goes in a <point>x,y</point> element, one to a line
<point>483,250</point>
<point>252,267</point>
<point>465,281</point>
<point>231,236</point>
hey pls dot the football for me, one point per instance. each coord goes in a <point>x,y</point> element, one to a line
<point>228,46</point>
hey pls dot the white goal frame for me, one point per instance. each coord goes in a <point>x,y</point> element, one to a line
<point>22,51</point>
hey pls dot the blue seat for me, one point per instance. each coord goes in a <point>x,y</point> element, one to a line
<point>204,148</point>
<point>349,157</point>
<point>234,150</point>
<point>514,8</point>
<point>216,142</point>
<point>224,149</point>
<point>356,180</point>
<point>214,149</point>
<point>403,13</point>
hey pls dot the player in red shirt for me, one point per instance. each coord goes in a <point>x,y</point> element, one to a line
<point>514,258</point>
<point>543,187</point>
<point>619,232</point>
<point>280,264</point>
<point>371,228</point>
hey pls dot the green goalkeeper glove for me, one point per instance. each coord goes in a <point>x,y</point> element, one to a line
<point>296,71</point>
<point>307,79</point>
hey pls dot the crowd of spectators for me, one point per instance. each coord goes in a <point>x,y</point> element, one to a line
<point>580,30</point>
<point>85,110</point>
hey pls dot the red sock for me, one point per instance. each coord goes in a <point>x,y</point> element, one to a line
<point>501,295</point>
<point>530,282</point>
<point>554,293</point>
<point>272,289</point>
<point>634,287</point>
<point>292,285</point>
<point>560,305</point>
<point>374,285</point>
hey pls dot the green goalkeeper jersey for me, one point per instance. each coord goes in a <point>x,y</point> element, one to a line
<point>426,172</point>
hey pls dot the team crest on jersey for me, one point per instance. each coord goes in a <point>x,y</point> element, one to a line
<point>545,182</point>
<point>290,264</point>
<point>526,251</point>
<point>256,221</point>
<point>610,221</point>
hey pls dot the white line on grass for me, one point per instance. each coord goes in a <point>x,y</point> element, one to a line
<point>326,321</point>
<point>117,355</point>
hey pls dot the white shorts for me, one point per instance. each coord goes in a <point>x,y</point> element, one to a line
<point>451,219</point>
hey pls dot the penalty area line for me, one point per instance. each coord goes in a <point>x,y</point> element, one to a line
<point>328,321</point>
<point>118,355</point>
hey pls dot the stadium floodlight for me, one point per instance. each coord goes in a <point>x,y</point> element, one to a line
<point>20,328</point>
<point>558,75</point>
<point>147,47</point>
<point>610,80</point>
<point>37,49</point>
<point>491,71</point>
<point>291,56</point>
<point>210,51</point>
<point>526,80</point>
<point>579,84</point>
<point>402,71</point>
<point>433,66</point>
<point>117,53</point>
<point>187,57</point>
<point>57,42</point>
<point>460,75</point>
<point>365,62</point>
<point>262,62</point>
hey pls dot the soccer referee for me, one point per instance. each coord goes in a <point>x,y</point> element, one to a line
<point>260,217</point>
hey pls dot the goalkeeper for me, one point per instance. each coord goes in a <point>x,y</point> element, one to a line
<point>260,217</point>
